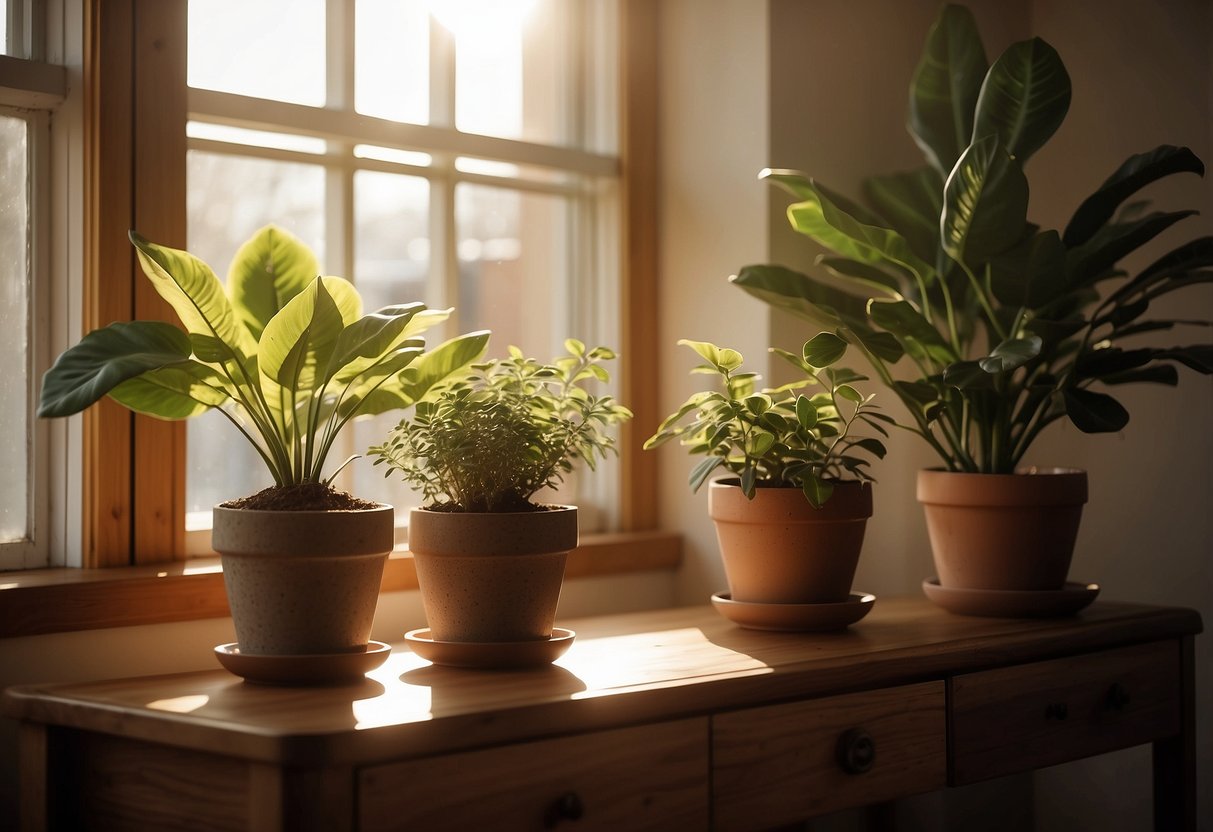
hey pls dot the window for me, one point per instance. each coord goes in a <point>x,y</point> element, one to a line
<point>30,91</point>
<point>462,153</point>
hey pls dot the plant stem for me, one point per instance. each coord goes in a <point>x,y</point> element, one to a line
<point>983,300</point>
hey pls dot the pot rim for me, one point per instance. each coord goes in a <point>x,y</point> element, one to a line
<point>851,503</point>
<point>305,512</point>
<point>492,534</point>
<point>547,508</point>
<point>1029,486</point>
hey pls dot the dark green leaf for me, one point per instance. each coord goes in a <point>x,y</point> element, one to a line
<point>823,349</point>
<point>848,392</point>
<point>946,85</point>
<point>105,358</point>
<point>806,413</point>
<point>703,470</point>
<point>919,338</point>
<point>749,481</point>
<point>967,375</point>
<point>883,345</point>
<point>1198,357</point>
<point>873,446</point>
<point>1032,274</point>
<point>816,491</point>
<point>1054,331</point>
<point>1098,363</point>
<point>911,203</point>
<point>1093,412</point>
<point>865,274</point>
<point>1175,264</point>
<point>1092,261</point>
<point>1012,353</point>
<point>1024,98</point>
<point>1137,172</point>
<point>918,391</point>
<point>1155,374</point>
<point>802,295</point>
<point>985,203</point>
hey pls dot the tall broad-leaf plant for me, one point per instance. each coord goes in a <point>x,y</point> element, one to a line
<point>1010,326</point>
<point>285,354</point>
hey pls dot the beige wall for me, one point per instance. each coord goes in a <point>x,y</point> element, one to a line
<point>713,217</point>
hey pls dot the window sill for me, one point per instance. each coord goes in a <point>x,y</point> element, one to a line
<point>61,600</point>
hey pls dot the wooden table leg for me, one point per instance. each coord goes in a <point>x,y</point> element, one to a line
<point>32,778</point>
<point>1175,757</point>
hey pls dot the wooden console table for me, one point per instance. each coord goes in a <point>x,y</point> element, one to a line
<point>666,720</point>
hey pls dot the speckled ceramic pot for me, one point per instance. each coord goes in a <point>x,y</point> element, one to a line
<point>491,577</point>
<point>1003,531</point>
<point>778,549</point>
<point>302,582</point>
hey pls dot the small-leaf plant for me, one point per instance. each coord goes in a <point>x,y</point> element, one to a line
<point>488,441</point>
<point>284,353</point>
<point>788,436</point>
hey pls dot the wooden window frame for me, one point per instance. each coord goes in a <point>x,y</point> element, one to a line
<point>134,466</point>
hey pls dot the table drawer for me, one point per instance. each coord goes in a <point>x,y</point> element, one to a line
<point>648,777</point>
<point>783,763</point>
<point>1044,713</point>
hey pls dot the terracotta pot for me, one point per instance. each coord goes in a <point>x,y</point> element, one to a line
<point>778,549</point>
<point>1003,531</point>
<point>302,582</point>
<point>491,577</point>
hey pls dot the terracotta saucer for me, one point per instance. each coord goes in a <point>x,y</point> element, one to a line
<point>323,669</point>
<point>1011,603</point>
<point>794,618</point>
<point>494,655</point>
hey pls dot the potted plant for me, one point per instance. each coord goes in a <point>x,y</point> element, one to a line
<point>490,560</point>
<point>791,521</point>
<point>1009,327</point>
<point>289,358</point>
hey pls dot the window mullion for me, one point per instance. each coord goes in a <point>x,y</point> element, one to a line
<point>443,276</point>
<point>339,170</point>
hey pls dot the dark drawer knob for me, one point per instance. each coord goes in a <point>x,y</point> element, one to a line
<point>1118,697</point>
<point>1056,710</point>
<point>566,807</point>
<point>856,751</point>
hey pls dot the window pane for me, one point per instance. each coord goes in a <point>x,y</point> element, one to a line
<point>391,261</point>
<point>14,331</point>
<point>392,60</point>
<point>514,259</point>
<point>229,198</point>
<point>512,68</point>
<point>264,48</point>
<point>4,47</point>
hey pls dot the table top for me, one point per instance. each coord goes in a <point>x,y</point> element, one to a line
<point>622,669</point>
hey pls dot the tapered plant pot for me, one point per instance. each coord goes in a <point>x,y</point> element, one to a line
<point>778,549</point>
<point>1003,531</point>
<point>302,582</point>
<point>491,577</point>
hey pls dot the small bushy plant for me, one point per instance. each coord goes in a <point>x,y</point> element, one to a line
<point>778,437</point>
<point>492,439</point>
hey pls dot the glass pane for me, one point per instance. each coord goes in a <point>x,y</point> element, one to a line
<point>392,60</point>
<point>391,261</point>
<point>4,47</point>
<point>14,331</point>
<point>229,198</point>
<point>512,67</point>
<point>263,48</point>
<point>513,249</point>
